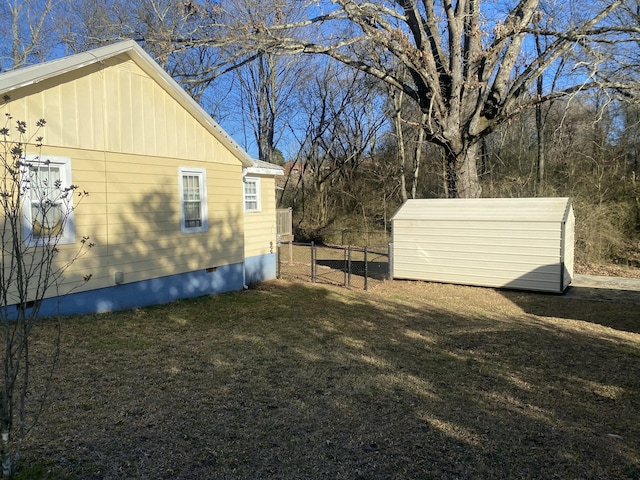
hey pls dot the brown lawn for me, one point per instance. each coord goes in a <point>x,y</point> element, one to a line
<point>410,380</point>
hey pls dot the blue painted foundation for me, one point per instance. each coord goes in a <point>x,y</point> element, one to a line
<point>162,290</point>
<point>260,268</point>
<point>145,293</point>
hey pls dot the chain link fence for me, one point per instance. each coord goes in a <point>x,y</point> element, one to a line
<point>353,267</point>
<point>348,236</point>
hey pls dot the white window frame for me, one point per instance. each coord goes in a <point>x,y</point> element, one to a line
<point>67,235</point>
<point>201,174</point>
<point>246,196</point>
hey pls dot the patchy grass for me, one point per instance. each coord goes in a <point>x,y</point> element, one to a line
<point>411,380</point>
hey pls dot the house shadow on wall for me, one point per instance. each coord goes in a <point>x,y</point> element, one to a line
<point>259,269</point>
<point>148,261</point>
<point>610,302</point>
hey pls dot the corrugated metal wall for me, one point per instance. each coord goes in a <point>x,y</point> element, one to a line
<point>512,243</point>
<point>569,246</point>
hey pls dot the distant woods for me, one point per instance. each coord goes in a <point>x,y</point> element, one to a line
<point>591,153</point>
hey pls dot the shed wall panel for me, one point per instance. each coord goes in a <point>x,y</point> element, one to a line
<point>499,246</point>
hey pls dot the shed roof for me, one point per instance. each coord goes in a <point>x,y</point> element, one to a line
<point>16,79</point>
<point>546,209</point>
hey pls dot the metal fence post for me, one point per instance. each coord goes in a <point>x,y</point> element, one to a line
<point>366,270</point>
<point>313,263</point>
<point>345,266</point>
<point>390,262</point>
<point>349,266</point>
<point>279,255</point>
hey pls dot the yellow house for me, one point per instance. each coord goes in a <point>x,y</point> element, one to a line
<point>260,230</point>
<point>175,209</point>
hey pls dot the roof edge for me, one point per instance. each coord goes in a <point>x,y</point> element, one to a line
<point>260,167</point>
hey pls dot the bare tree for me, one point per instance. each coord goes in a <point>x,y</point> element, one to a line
<point>36,207</point>
<point>407,127</point>
<point>342,125</point>
<point>266,91</point>
<point>199,43</point>
<point>396,100</point>
<point>29,34</point>
<point>469,68</point>
<point>266,83</point>
<point>620,59</point>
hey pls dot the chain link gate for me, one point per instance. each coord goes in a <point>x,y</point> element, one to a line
<point>352,267</point>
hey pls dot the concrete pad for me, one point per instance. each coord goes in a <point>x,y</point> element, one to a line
<point>601,288</point>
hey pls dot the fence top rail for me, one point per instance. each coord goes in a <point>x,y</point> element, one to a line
<point>370,248</point>
<point>381,250</point>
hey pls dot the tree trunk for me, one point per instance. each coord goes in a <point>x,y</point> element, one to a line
<point>540,158</point>
<point>418,158</point>
<point>402,156</point>
<point>5,428</point>
<point>462,172</point>
<point>322,203</point>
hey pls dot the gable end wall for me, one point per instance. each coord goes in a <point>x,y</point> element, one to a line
<point>126,138</point>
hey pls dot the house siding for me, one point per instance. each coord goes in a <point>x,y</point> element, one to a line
<point>132,214</point>
<point>116,108</point>
<point>512,243</point>
<point>260,235</point>
<point>126,137</point>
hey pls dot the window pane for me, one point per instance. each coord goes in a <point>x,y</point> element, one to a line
<point>45,182</point>
<point>47,213</point>
<point>192,216</point>
<point>191,188</point>
<point>193,199</point>
<point>47,219</point>
<point>250,195</point>
<point>250,188</point>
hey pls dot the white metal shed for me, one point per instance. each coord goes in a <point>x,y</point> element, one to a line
<point>520,243</point>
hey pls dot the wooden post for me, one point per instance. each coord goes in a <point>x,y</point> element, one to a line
<point>291,253</point>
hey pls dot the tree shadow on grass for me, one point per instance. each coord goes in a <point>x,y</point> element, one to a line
<point>607,307</point>
<point>299,381</point>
